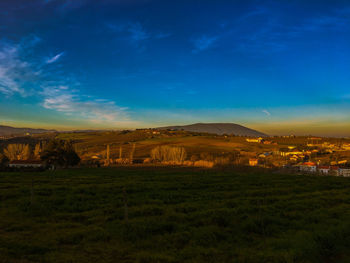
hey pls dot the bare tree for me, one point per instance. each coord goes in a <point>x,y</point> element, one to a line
<point>169,154</point>
<point>132,153</point>
<point>18,151</point>
<point>37,150</point>
<point>120,152</point>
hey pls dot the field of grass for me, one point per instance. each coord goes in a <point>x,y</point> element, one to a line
<point>89,144</point>
<point>173,215</point>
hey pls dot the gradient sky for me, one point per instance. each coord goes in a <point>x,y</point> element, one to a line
<point>282,67</point>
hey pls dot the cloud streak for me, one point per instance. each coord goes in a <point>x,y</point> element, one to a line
<point>203,43</point>
<point>13,70</point>
<point>69,101</point>
<point>55,93</point>
<point>135,33</point>
<point>54,58</point>
<point>266,112</point>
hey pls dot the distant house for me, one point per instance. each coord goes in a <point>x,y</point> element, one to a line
<point>257,140</point>
<point>264,155</point>
<point>324,169</point>
<point>344,172</point>
<point>334,170</point>
<point>253,162</point>
<point>291,153</point>
<point>26,164</point>
<point>268,142</point>
<point>314,141</point>
<point>346,146</point>
<point>308,167</point>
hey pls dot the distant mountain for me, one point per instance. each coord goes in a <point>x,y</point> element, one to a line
<point>218,128</point>
<point>7,130</point>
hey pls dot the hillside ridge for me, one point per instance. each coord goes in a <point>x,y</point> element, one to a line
<point>218,128</point>
<point>8,130</point>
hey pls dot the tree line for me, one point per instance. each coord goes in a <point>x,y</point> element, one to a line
<point>55,152</point>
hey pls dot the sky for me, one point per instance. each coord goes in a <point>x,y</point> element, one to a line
<point>282,67</point>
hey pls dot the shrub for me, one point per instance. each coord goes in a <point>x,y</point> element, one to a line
<point>3,160</point>
<point>222,160</point>
<point>203,163</point>
<point>147,160</point>
<point>188,163</point>
<point>206,156</point>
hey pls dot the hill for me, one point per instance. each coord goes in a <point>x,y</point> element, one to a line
<point>8,130</point>
<point>218,128</point>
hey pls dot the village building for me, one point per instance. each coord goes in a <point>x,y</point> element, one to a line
<point>264,155</point>
<point>257,140</point>
<point>96,157</point>
<point>344,172</point>
<point>26,164</point>
<point>291,153</point>
<point>334,170</point>
<point>253,162</point>
<point>324,169</point>
<point>346,146</point>
<point>314,141</point>
<point>308,167</point>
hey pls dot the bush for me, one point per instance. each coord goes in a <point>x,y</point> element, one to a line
<point>3,160</point>
<point>222,160</point>
<point>203,163</point>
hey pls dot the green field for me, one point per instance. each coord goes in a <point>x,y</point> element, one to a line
<point>174,215</point>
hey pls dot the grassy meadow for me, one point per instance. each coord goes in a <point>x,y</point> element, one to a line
<point>148,214</point>
<point>195,143</point>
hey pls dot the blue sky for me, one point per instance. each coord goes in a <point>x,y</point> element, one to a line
<point>278,66</point>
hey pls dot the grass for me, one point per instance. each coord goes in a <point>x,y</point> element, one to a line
<point>88,144</point>
<point>174,215</point>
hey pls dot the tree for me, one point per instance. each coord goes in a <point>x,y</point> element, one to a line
<point>37,150</point>
<point>169,154</point>
<point>60,153</point>
<point>18,151</point>
<point>3,160</point>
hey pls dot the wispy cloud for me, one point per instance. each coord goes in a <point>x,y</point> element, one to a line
<point>13,70</point>
<point>54,58</point>
<point>135,32</point>
<point>72,103</point>
<point>204,42</point>
<point>257,11</point>
<point>266,112</point>
<point>162,35</point>
<point>333,22</point>
<point>274,32</point>
<point>24,77</point>
<point>64,6</point>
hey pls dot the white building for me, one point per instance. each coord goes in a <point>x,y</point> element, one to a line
<point>258,140</point>
<point>344,172</point>
<point>26,164</point>
<point>324,169</point>
<point>308,167</point>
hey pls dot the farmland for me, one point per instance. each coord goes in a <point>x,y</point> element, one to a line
<point>168,214</point>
